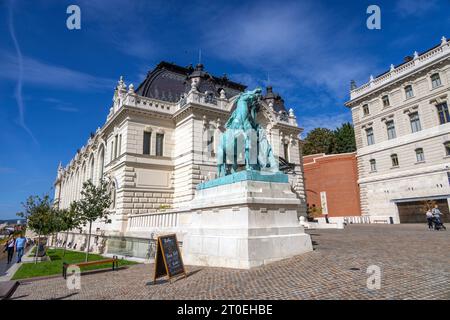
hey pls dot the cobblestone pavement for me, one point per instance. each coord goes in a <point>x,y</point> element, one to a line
<point>414,262</point>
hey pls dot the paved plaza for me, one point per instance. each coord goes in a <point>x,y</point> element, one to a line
<point>414,263</point>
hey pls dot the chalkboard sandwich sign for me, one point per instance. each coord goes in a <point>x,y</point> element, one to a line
<point>168,258</point>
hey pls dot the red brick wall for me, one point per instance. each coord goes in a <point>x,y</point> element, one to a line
<point>337,175</point>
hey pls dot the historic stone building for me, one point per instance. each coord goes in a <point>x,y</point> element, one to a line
<point>402,128</point>
<point>159,142</point>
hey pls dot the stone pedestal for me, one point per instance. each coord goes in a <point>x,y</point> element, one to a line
<point>244,224</point>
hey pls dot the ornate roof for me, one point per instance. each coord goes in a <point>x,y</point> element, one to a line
<point>169,81</point>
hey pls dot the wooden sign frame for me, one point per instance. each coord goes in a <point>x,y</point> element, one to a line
<point>160,251</point>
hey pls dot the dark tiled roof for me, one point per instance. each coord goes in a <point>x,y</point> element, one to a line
<point>275,98</point>
<point>169,81</point>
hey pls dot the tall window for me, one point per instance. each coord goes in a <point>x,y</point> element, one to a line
<point>394,159</point>
<point>420,156</point>
<point>147,138</point>
<point>447,148</point>
<point>101,162</point>
<point>112,151</point>
<point>415,122</point>
<point>286,152</point>
<point>159,144</point>
<point>409,92</point>
<point>370,137</point>
<point>210,142</point>
<point>390,129</point>
<point>373,165</point>
<point>116,138</point>
<point>385,101</point>
<point>91,169</point>
<point>444,116</point>
<point>435,80</point>
<point>120,145</point>
<point>365,109</point>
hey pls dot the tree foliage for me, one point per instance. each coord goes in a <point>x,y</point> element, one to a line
<point>93,205</point>
<point>323,140</point>
<point>40,214</point>
<point>344,139</point>
<point>319,140</point>
<point>94,202</point>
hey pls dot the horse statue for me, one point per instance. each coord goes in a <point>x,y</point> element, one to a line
<point>244,137</point>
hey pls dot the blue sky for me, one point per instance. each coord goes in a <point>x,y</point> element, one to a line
<point>56,84</point>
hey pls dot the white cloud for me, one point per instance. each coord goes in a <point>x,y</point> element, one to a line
<point>40,73</point>
<point>300,44</point>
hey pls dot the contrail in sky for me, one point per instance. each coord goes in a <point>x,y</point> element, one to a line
<point>19,98</point>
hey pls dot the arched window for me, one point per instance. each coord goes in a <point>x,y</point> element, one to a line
<point>91,168</point>
<point>101,163</point>
<point>77,185</point>
<point>373,165</point>
<point>394,159</point>
<point>83,176</point>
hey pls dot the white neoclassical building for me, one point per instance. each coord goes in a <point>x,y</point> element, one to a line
<point>158,142</point>
<point>402,128</point>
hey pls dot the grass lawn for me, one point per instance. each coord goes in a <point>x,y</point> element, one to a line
<point>54,265</point>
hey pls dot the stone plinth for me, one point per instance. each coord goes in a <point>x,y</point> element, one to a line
<point>244,224</point>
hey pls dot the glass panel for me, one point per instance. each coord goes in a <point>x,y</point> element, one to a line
<point>159,144</point>
<point>147,137</point>
<point>370,137</point>
<point>394,159</point>
<point>444,116</point>
<point>390,129</point>
<point>409,92</point>
<point>435,80</point>
<point>420,155</point>
<point>373,165</point>
<point>415,122</point>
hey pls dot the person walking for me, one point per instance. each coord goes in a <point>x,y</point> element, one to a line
<point>437,218</point>
<point>20,247</point>
<point>429,219</point>
<point>10,249</point>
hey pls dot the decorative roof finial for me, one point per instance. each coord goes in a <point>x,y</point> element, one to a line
<point>131,88</point>
<point>121,83</point>
<point>392,67</point>
<point>222,94</point>
<point>443,41</point>
<point>416,55</point>
<point>371,78</point>
<point>291,113</point>
<point>353,85</point>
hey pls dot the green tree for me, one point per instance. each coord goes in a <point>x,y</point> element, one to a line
<point>319,140</point>
<point>70,219</point>
<point>344,138</point>
<point>40,216</point>
<point>95,200</point>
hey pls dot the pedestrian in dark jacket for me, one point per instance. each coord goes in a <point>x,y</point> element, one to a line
<point>9,247</point>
